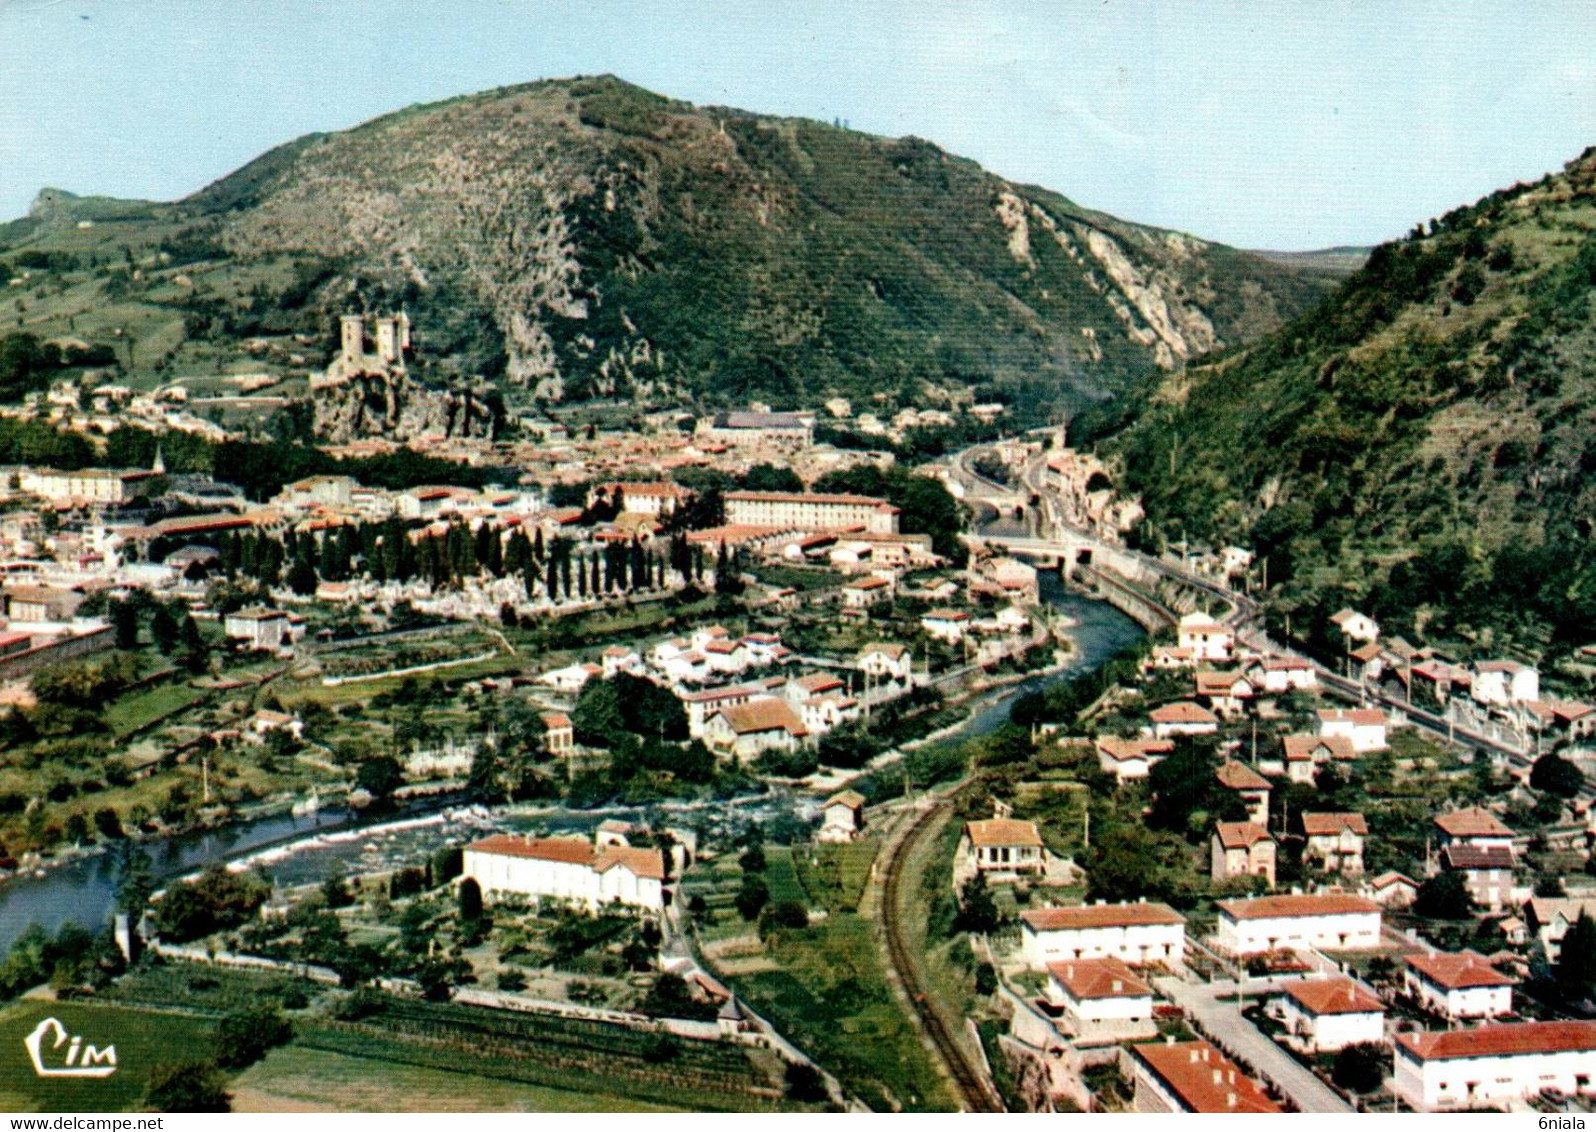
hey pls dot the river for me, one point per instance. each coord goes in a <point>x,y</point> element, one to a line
<point>84,890</point>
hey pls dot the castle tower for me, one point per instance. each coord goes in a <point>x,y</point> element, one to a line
<point>353,329</point>
<point>388,347</point>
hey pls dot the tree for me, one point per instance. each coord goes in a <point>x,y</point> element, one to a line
<point>1360,1067</point>
<point>470,897</point>
<point>244,1036</point>
<point>125,619</point>
<point>752,897</point>
<point>302,577</point>
<point>1444,897</point>
<point>1576,960</point>
<point>379,776</point>
<point>978,911</point>
<point>805,1084</point>
<point>1556,775</point>
<point>986,980</point>
<point>189,1086</point>
<point>752,860</point>
<point>770,477</point>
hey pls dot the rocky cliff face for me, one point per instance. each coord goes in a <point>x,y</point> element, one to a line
<point>396,405</point>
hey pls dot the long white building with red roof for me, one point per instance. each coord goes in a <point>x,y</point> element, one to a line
<point>1259,925</point>
<point>567,868</point>
<point>1139,933</point>
<point>1489,1066</point>
<point>811,511</point>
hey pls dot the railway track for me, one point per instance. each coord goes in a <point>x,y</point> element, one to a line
<point>974,1094</point>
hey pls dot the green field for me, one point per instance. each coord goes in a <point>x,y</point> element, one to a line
<point>143,1039</point>
<point>133,712</point>
<point>295,1077</point>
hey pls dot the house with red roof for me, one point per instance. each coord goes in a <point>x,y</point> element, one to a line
<point>567,869</point>
<point>1495,1065</point>
<point>1102,999</point>
<point>1192,1077</point>
<point>1241,849</point>
<point>1458,985</point>
<point>1140,933</point>
<point>1335,842</point>
<point>1329,1014</point>
<point>1182,718</point>
<point>1002,845</point>
<point>1297,922</point>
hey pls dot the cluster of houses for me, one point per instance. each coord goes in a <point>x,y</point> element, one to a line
<point>1505,690</point>
<point>1101,961</point>
<point>739,713</point>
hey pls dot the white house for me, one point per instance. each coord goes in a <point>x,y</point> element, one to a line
<point>862,593</point>
<point>1492,1065</point>
<point>948,625</point>
<point>1275,674</point>
<point>1505,682</point>
<point>1356,626</point>
<point>726,657</point>
<point>1192,1077</point>
<point>1139,933</point>
<point>1262,924</point>
<point>1393,890</point>
<point>883,661</point>
<point>1126,759</point>
<point>744,730</point>
<point>618,658</point>
<point>1303,755</point>
<point>571,678</point>
<point>1182,718</point>
<point>1003,845</point>
<point>1473,826</point>
<point>265,629</point>
<point>1329,1014</point>
<point>1206,638</point>
<point>1226,693</point>
<point>844,817</point>
<point>1102,998</point>
<point>1456,986</point>
<point>1365,727</point>
<point>570,869</point>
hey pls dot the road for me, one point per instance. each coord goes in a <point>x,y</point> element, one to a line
<point>1224,1023</point>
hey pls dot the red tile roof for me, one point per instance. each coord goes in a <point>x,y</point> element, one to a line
<point>1202,1078</point>
<point>1362,717</point>
<point>1321,904</point>
<point>1086,916</point>
<point>648,863</point>
<point>1235,775</point>
<point>1504,1040</point>
<point>1332,996</point>
<point>1240,834</point>
<point>1098,978</point>
<point>1003,831</point>
<point>1182,711</point>
<point>1472,822</point>
<point>1331,825</point>
<point>1300,748</point>
<point>1458,971</point>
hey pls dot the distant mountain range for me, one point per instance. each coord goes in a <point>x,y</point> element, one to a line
<point>1423,445</point>
<point>584,237</point>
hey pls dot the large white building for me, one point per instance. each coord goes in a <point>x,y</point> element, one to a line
<point>1262,924</point>
<point>568,868</point>
<point>808,511</point>
<point>1136,933</point>
<point>1461,985</point>
<point>1330,1014</point>
<point>1365,728</point>
<point>1492,1065</point>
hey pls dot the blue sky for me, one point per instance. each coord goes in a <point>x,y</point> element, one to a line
<point>1293,124</point>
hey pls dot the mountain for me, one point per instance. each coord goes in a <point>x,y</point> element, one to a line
<point>578,238</point>
<point>1423,445</point>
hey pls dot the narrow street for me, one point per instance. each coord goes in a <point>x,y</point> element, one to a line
<point>1224,1022</point>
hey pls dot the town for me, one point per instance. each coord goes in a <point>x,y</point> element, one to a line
<point>1216,873</point>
